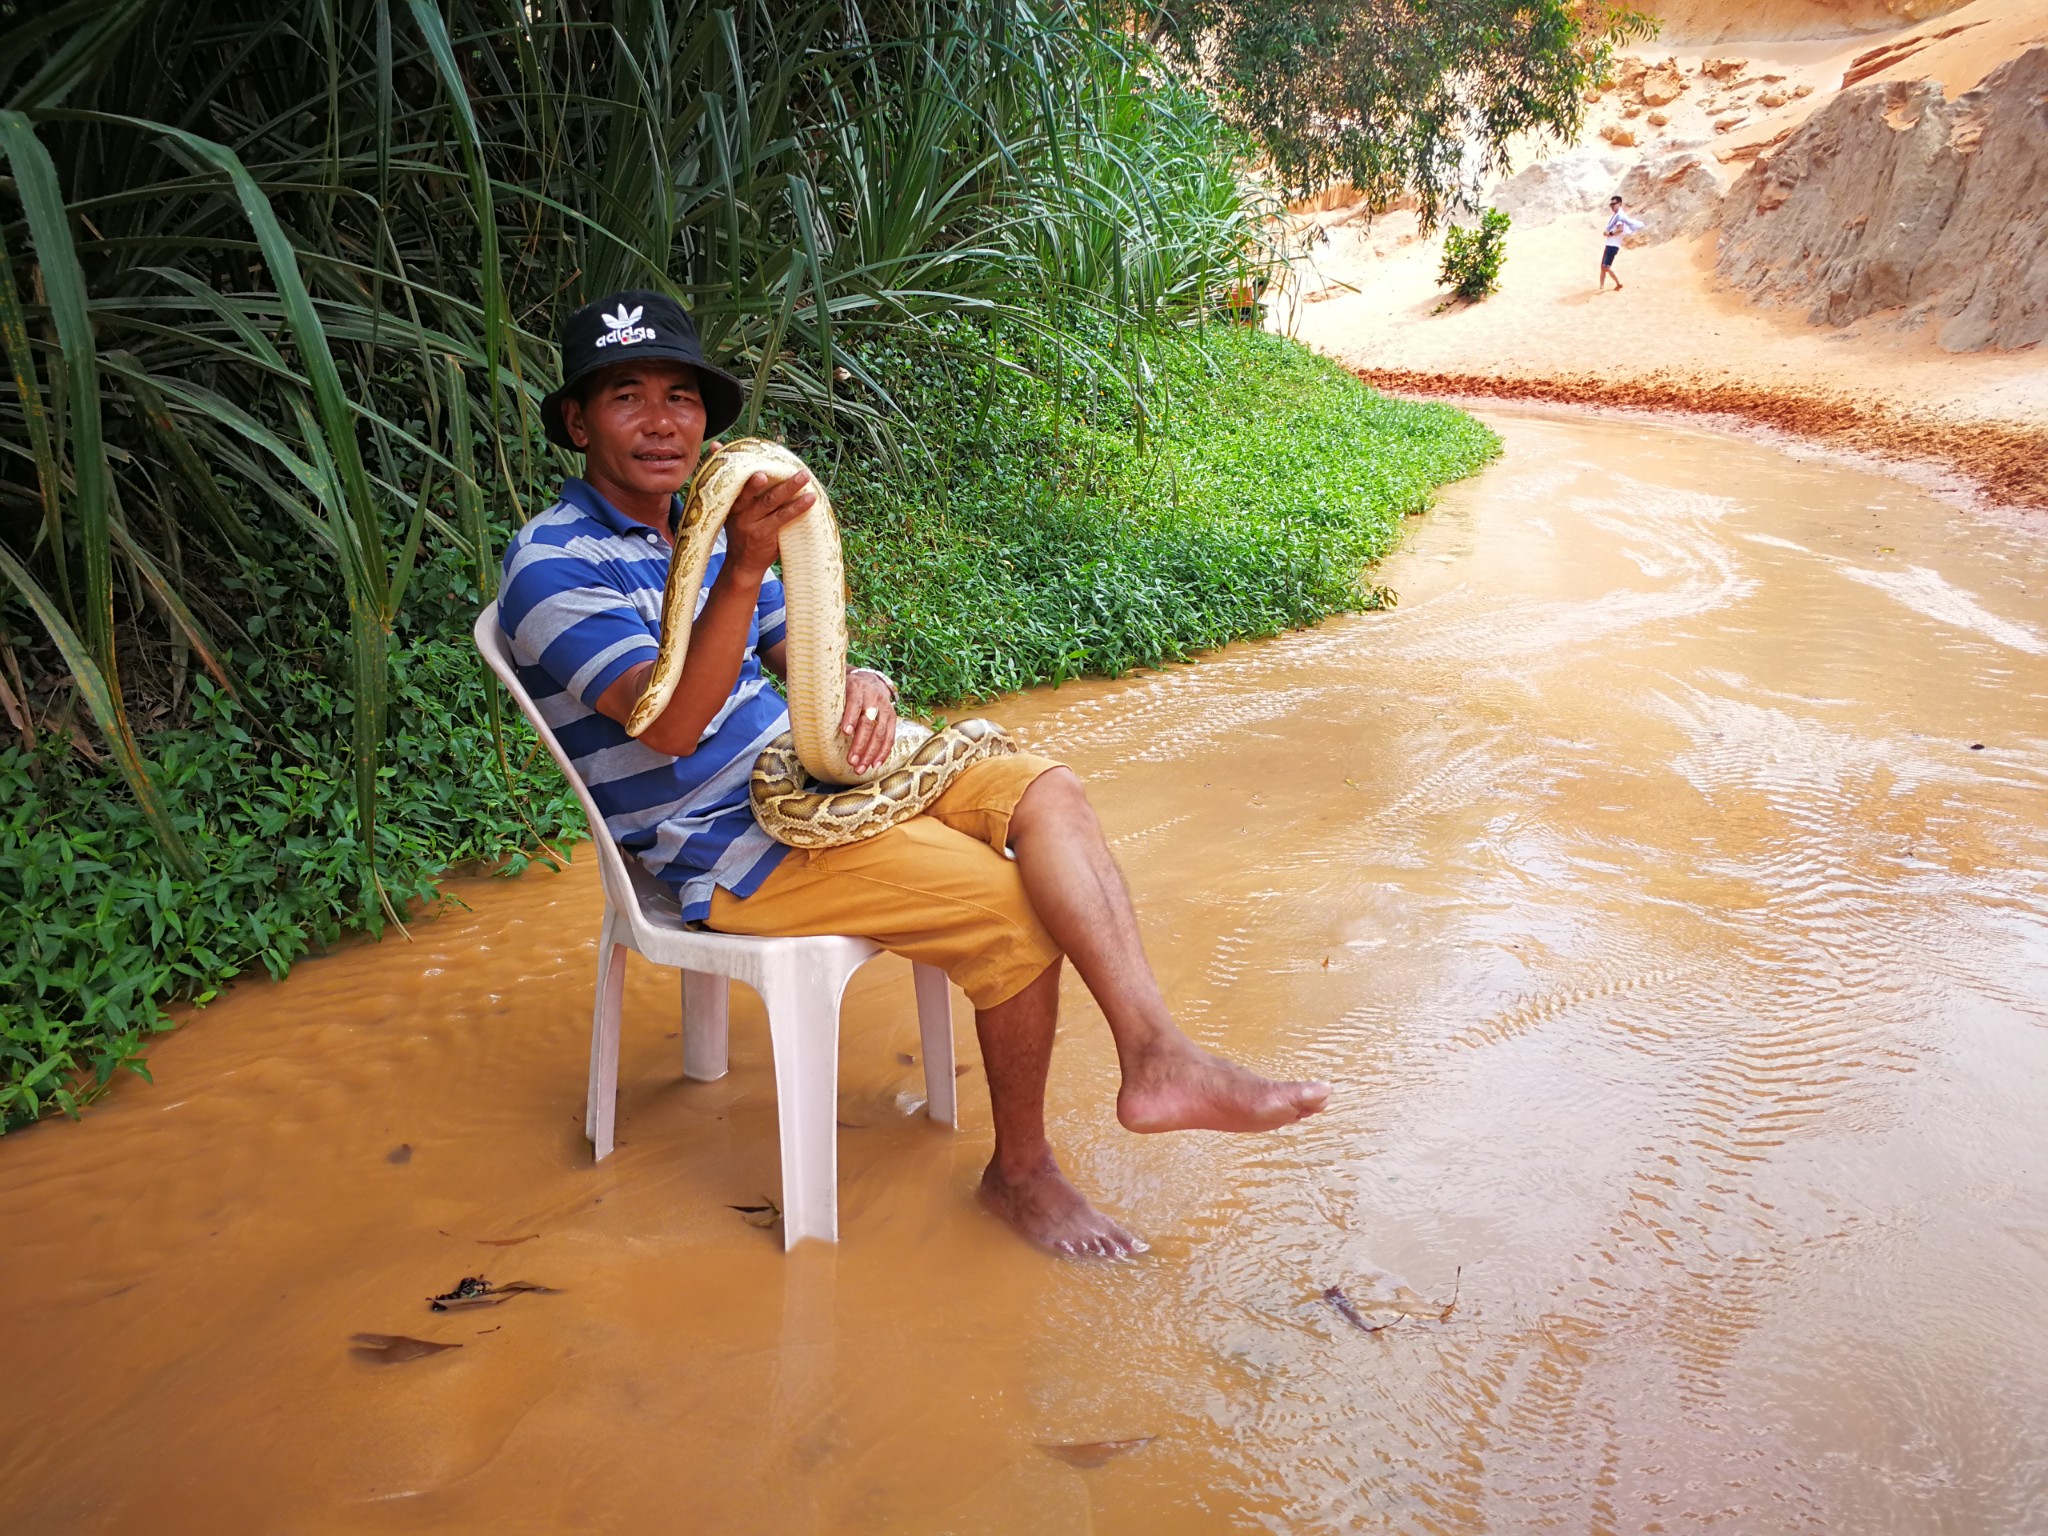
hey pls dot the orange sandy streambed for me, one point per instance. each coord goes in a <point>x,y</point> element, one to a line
<point>1664,884</point>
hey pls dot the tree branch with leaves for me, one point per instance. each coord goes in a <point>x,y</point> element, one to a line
<point>1397,96</point>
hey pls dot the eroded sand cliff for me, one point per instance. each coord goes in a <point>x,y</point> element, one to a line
<point>1714,21</point>
<point>1892,197</point>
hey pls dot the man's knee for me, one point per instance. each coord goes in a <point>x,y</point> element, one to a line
<point>1056,797</point>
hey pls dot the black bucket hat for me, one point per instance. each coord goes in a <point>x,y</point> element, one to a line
<point>637,323</point>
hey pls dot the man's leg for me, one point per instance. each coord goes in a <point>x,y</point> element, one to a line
<point>1023,1183</point>
<point>1169,1082</point>
<point>942,896</point>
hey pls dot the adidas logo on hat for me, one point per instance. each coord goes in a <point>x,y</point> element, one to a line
<point>625,327</point>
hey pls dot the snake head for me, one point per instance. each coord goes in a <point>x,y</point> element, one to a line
<point>681,504</point>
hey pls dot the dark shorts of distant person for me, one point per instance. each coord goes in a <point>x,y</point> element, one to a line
<point>1607,256</point>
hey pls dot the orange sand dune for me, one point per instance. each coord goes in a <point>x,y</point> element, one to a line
<point>1714,21</point>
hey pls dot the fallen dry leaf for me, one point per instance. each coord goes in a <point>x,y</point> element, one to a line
<point>764,1215</point>
<point>1391,1302</point>
<point>906,1058</point>
<point>474,1291</point>
<point>962,1070</point>
<point>1093,1453</point>
<point>1347,1310</point>
<point>463,1290</point>
<point>400,1154</point>
<point>468,1303</point>
<point>506,1242</point>
<point>393,1348</point>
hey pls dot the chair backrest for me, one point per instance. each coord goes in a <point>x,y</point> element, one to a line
<point>496,647</point>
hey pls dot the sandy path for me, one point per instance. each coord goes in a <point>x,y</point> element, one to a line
<point>1674,339</point>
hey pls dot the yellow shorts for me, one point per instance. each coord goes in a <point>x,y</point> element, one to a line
<point>936,888</point>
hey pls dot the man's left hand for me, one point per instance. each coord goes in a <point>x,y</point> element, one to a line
<point>869,722</point>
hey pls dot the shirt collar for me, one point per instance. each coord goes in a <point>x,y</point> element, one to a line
<point>581,495</point>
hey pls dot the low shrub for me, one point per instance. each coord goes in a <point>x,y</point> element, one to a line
<point>1473,256</point>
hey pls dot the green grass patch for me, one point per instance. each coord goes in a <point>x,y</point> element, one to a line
<point>1033,535</point>
<point>1044,541</point>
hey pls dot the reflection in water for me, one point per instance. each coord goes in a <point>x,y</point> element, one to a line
<point>1681,960</point>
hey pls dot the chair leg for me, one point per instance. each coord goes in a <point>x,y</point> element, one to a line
<point>704,1025</point>
<point>935,1029</point>
<point>601,1104</point>
<point>803,1031</point>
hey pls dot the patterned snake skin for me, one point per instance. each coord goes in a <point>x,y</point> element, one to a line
<point>805,792</point>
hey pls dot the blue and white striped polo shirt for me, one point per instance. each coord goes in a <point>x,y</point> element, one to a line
<point>581,605</point>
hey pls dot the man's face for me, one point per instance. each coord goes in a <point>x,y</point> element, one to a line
<point>640,425</point>
<point>1615,206</point>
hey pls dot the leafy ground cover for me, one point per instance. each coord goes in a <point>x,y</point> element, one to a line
<point>1035,529</point>
<point>1053,542</point>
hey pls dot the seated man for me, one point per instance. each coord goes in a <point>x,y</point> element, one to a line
<point>582,607</point>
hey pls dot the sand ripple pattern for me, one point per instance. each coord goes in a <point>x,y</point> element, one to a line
<point>1686,938</point>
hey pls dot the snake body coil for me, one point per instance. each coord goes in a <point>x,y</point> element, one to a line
<point>805,793</point>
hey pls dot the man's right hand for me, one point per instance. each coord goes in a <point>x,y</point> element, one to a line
<point>718,638</point>
<point>763,508</point>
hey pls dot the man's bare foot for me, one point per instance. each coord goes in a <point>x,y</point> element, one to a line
<point>1049,1211</point>
<point>1188,1089</point>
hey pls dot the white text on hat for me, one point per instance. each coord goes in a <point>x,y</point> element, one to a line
<point>625,328</point>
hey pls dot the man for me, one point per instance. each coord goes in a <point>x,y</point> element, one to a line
<point>581,605</point>
<point>1618,228</point>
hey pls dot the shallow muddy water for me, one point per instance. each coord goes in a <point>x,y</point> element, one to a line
<point>1680,957</point>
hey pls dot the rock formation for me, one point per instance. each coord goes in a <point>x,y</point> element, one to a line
<point>1892,197</point>
<point>1877,60</point>
<point>1572,184</point>
<point>1661,86</point>
<point>1676,196</point>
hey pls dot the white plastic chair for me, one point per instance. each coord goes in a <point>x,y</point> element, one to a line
<point>800,981</point>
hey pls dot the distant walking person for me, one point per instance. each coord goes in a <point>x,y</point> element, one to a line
<point>1619,227</point>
